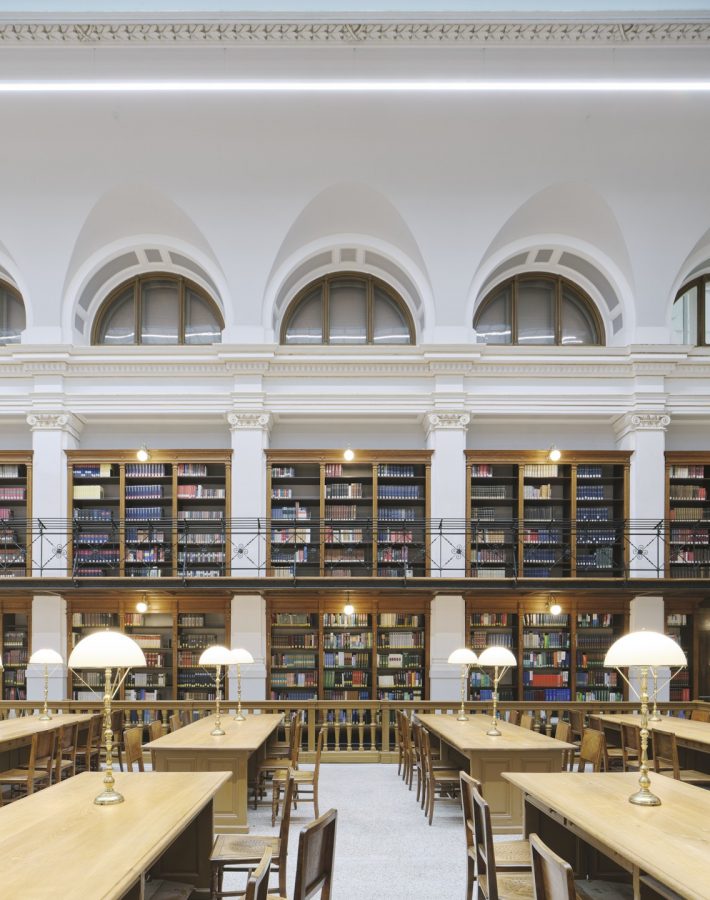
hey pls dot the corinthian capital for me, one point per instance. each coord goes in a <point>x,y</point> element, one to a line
<point>642,421</point>
<point>54,421</point>
<point>435,421</point>
<point>239,421</point>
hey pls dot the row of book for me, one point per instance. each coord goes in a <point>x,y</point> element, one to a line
<point>293,660</point>
<point>491,492</point>
<point>591,492</point>
<point>344,491</point>
<point>294,679</point>
<point>690,514</point>
<point>538,492</point>
<point>12,492</point>
<point>399,660</point>
<point>401,679</point>
<point>348,678</point>
<point>346,659</point>
<point>536,640</point>
<point>399,492</point>
<point>200,492</point>
<point>482,639</point>
<point>296,641</point>
<point>347,640</point>
<point>687,471</point>
<point>688,492</point>
<point>134,491</point>
<point>7,470</point>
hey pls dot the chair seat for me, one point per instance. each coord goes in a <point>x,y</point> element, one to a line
<point>517,886</point>
<point>274,762</point>
<point>445,774</point>
<point>300,776</point>
<point>20,776</point>
<point>602,890</point>
<point>168,890</point>
<point>513,855</point>
<point>242,848</point>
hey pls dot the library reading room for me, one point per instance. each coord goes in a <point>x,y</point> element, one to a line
<point>355,449</point>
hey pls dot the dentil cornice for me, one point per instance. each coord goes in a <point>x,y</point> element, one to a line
<point>240,421</point>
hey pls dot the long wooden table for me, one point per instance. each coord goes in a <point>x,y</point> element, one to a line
<point>489,758</point>
<point>690,735</point>
<point>58,843</point>
<point>194,749</point>
<point>670,842</point>
<point>17,733</point>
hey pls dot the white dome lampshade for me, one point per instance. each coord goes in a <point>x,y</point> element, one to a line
<point>106,650</point>
<point>216,655</point>
<point>497,656</point>
<point>240,656</point>
<point>46,657</point>
<point>645,648</point>
<point>463,657</point>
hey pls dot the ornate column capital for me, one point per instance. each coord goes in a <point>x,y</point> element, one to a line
<point>641,421</point>
<point>241,421</point>
<point>55,421</point>
<point>439,420</point>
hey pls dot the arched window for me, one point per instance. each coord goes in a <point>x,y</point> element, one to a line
<point>690,318</point>
<point>12,314</point>
<point>538,309</point>
<point>347,309</point>
<point>158,309</point>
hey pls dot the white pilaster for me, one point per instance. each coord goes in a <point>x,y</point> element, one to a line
<point>447,633</point>
<point>52,433</point>
<point>446,436</point>
<point>49,631</point>
<point>648,613</point>
<point>250,438</point>
<point>249,632</point>
<point>644,433</point>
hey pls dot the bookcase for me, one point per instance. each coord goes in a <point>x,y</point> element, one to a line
<point>688,515</point>
<point>172,633</point>
<point>16,629</point>
<point>595,633</point>
<point>336,519</point>
<point>493,628</point>
<point>681,625</point>
<point>15,514</point>
<point>532,518</point>
<point>317,651</point>
<point>168,516</point>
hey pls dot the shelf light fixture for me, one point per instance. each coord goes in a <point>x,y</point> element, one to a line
<point>553,607</point>
<point>143,454</point>
<point>142,605</point>
<point>348,454</point>
<point>348,609</point>
<point>554,454</point>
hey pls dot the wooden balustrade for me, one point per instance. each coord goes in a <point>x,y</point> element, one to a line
<point>358,731</point>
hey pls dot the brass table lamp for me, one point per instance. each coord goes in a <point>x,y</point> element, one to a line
<point>500,659</point>
<point>465,658</point>
<point>217,656</point>
<point>46,658</point>
<point>240,657</point>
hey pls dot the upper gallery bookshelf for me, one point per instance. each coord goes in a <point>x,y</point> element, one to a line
<point>688,514</point>
<point>15,617</point>
<point>529,517</point>
<point>15,514</point>
<point>332,518</point>
<point>167,516</point>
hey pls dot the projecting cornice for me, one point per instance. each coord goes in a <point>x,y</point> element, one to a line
<point>476,33</point>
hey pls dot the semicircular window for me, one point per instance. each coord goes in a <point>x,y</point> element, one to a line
<point>12,314</point>
<point>690,317</point>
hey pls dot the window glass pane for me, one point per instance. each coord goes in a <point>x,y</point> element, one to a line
<point>536,311</point>
<point>119,323</point>
<point>707,312</point>
<point>578,326</point>
<point>348,311</point>
<point>684,318</point>
<point>494,324</point>
<point>160,316</point>
<point>390,326</point>
<point>306,323</point>
<point>12,317</point>
<point>201,326</point>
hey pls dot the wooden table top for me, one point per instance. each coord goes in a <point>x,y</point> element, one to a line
<point>684,729</point>
<point>59,843</point>
<point>248,735</point>
<point>471,735</point>
<point>25,726</point>
<point>671,842</point>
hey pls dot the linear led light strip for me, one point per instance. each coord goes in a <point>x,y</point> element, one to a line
<point>246,86</point>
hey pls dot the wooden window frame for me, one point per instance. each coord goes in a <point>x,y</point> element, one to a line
<point>14,293</point>
<point>700,284</point>
<point>137,282</point>
<point>371,282</point>
<point>559,283</point>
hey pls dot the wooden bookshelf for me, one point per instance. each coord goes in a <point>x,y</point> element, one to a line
<point>84,617</point>
<point>16,616</point>
<point>332,518</point>
<point>529,517</point>
<point>15,514</point>
<point>164,517</point>
<point>594,633</point>
<point>487,628</point>
<point>681,624</point>
<point>688,514</point>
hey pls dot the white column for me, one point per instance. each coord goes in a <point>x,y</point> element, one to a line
<point>249,632</point>
<point>49,631</point>
<point>648,613</point>
<point>446,436</point>
<point>644,434</point>
<point>52,434</point>
<point>447,633</point>
<point>250,438</point>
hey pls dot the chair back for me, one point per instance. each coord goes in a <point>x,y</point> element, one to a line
<point>553,878</point>
<point>155,729</point>
<point>630,743</point>
<point>563,732</point>
<point>468,786</point>
<point>133,740</point>
<point>296,745</point>
<point>700,715</point>
<point>66,748</point>
<point>595,723</point>
<point>514,717</point>
<point>258,882</point>
<point>592,751</point>
<point>427,765</point>
<point>97,732</point>
<point>665,753</point>
<point>118,724</point>
<point>319,752</point>
<point>175,722</point>
<point>32,762</point>
<point>46,742</point>
<point>84,739</point>
<point>576,720</point>
<point>316,853</point>
<point>185,716</point>
<point>485,854</point>
<point>286,818</point>
<point>527,721</point>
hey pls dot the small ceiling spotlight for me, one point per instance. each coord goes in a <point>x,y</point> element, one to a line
<point>554,453</point>
<point>142,605</point>
<point>143,454</point>
<point>348,455</point>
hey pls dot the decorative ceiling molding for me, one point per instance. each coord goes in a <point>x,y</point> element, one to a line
<point>358,33</point>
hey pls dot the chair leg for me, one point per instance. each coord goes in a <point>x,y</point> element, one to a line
<point>275,797</point>
<point>315,805</point>
<point>470,878</point>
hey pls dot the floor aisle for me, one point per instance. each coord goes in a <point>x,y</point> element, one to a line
<point>384,846</point>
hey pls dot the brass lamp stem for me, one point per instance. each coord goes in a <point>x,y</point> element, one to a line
<point>109,794</point>
<point>46,715</point>
<point>493,731</point>
<point>240,717</point>
<point>655,716</point>
<point>644,797</point>
<point>462,717</point>
<point>218,730</point>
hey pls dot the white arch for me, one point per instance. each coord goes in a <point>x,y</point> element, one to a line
<point>10,272</point>
<point>696,263</point>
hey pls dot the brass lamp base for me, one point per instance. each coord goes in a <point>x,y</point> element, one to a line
<point>45,717</point>
<point>108,798</point>
<point>240,717</point>
<point>643,797</point>
<point>462,717</point>
<point>217,731</point>
<point>493,731</point>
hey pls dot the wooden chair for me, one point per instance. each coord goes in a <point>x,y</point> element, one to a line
<point>175,722</point>
<point>87,755</point>
<point>241,852</point>
<point>409,753</point>
<point>65,756</point>
<point>267,767</point>
<point>592,750</point>
<point>595,723</point>
<point>185,717</point>
<point>133,742</point>
<point>400,740</point>
<point>155,729</point>
<point>305,780</point>
<point>700,715</point>
<point>563,732</point>
<point>46,757</point>
<point>613,754</point>
<point>527,721</point>
<point>258,881</point>
<point>22,782</point>
<point>630,747</point>
<point>514,717</point>
<point>576,720</point>
<point>446,781</point>
<point>278,748</point>
<point>511,856</point>
<point>316,855</point>
<point>493,885</point>
<point>665,760</point>
<point>118,726</point>
<point>553,879</point>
